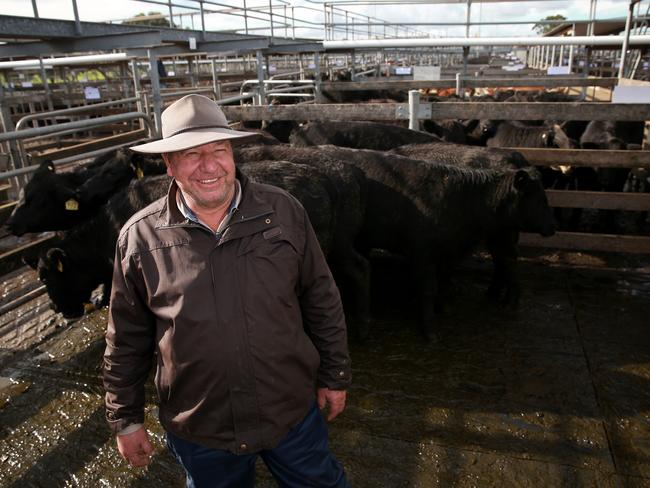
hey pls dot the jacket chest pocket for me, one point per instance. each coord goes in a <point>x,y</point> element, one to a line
<point>271,261</point>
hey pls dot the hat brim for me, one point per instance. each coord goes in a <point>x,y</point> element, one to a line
<point>186,140</point>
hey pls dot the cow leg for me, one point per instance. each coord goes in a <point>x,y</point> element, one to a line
<point>505,287</point>
<point>355,270</point>
<point>427,281</point>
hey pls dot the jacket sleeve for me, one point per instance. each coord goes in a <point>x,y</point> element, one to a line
<point>323,315</point>
<point>129,345</point>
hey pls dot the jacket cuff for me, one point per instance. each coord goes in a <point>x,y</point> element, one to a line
<point>335,379</point>
<point>117,425</point>
<point>130,429</point>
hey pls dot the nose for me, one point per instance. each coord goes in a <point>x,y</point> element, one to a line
<point>210,163</point>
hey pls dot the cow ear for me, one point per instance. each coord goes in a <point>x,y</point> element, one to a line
<point>521,178</point>
<point>56,258</point>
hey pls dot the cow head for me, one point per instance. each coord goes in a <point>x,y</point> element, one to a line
<point>532,212</point>
<point>47,202</point>
<point>68,286</point>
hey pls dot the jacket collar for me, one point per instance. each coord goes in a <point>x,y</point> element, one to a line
<point>250,206</point>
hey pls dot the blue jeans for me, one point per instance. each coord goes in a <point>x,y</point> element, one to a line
<point>301,460</point>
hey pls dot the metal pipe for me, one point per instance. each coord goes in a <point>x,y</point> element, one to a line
<point>182,93</point>
<point>155,89</point>
<point>628,21</point>
<point>215,79</point>
<point>74,110</point>
<point>77,23</point>
<point>260,76</point>
<point>78,125</point>
<point>237,98</point>
<point>487,41</point>
<point>35,9</point>
<point>414,108</point>
<point>245,18</point>
<point>67,60</point>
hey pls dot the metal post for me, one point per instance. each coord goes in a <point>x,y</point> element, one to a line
<point>626,40</point>
<point>261,94</point>
<point>592,16</point>
<point>352,66</point>
<point>245,18</point>
<point>138,92</point>
<point>469,13</point>
<point>215,79</point>
<point>190,72</point>
<point>8,126</point>
<point>271,18</point>
<point>414,109</point>
<point>35,8</point>
<point>459,84</point>
<point>202,20</point>
<point>155,89</point>
<point>293,25</point>
<point>286,24</point>
<point>553,57</point>
<point>171,14</point>
<point>46,85</point>
<point>77,23</point>
<point>465,56</point>
<point>317,80</point>
<point>561,60</point>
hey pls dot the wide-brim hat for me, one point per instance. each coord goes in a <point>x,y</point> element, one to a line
<point>192,121</point>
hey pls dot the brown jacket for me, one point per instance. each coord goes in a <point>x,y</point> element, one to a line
<point>245,327</point>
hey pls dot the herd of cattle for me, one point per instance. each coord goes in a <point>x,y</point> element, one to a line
<point>364,185</point>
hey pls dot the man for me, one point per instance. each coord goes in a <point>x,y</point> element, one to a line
<point>225,281</point>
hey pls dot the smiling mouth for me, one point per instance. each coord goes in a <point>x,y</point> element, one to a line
<point>211,180</point>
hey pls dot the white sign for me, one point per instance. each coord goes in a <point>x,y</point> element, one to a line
<point>402,70</point>
<point>92,93</point>
<point>26,84</point>
<point>272,68</point>
<point>631,94</point>
<point>192,42</point>
<point>426,73</point>
<point>558,70</point>
<point>311,66</point>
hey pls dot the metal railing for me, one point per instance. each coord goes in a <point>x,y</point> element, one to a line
<point>65,128</point>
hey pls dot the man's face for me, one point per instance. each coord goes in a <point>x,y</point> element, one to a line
<point>205,174</point>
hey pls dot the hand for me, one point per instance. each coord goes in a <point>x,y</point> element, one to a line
<point>135,447</point>
<point>335,399</point>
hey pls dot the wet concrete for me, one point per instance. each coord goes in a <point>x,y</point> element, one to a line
<point>553,394</point>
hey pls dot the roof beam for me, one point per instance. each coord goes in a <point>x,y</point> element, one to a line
<point>83,44</point>
<point>31,28</point>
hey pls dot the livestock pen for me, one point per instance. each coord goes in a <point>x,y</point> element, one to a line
<point>552,393</point>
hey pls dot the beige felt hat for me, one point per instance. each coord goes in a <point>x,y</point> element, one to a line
<point>191,121</point>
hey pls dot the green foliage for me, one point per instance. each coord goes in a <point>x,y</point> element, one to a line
<point>147,20</point>
<point>542,29</point>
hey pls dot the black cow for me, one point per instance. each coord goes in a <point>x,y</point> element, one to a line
<point>334,196</point>
<point>359,135</point>
<point>516,134</point>
<point>435,214</point>
<point>83,259</point>
<point>49,197</point>
<point>461,155</point>
<point>58,201</point>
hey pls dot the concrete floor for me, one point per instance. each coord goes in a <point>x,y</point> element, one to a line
<point>554,394</point>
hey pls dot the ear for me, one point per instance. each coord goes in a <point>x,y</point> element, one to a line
<point>168,163</point>
<point>55,259</point>
<point>521,179</point>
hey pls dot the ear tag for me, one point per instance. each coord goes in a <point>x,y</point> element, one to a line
<point>72,205</point>
<point>59,266</point>
<point>139,173</point>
